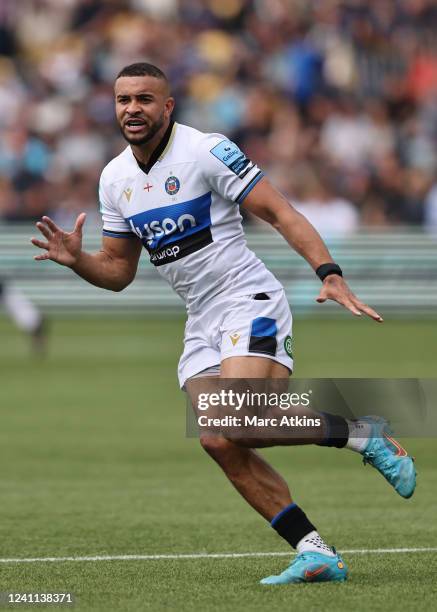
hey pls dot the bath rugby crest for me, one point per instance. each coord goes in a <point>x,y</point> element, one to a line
<point>188,218</point>
<point>172,185</point>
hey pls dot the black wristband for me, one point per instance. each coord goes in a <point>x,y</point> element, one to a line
<point>328,268</point>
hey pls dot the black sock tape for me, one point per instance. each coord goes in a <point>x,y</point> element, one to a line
<point>292,524</point>
<point>337,430</point>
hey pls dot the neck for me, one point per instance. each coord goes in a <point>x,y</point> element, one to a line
<point>144,151</point>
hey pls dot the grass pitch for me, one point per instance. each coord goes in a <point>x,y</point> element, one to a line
<point>94,461</point>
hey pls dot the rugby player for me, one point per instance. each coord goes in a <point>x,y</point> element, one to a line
<point>25,314</point>
<point>177,192</point>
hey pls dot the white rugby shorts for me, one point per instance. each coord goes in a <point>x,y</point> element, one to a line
<point>253,325</point>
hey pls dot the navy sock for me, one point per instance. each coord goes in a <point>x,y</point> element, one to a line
<point>337,431</point>
<point>292,524</point>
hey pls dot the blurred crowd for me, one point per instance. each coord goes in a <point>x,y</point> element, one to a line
<point>335,100</point>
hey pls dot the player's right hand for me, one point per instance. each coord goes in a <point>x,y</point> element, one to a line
<point>62,247</point>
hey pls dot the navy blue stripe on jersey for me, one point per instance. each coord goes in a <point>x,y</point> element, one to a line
<point>263,336</point>
<point>163,226</point>
<point>112,234</point>
<point>239,199</point>
<point>264,326</point>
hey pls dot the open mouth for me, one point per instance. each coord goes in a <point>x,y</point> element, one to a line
<point>135,125</point>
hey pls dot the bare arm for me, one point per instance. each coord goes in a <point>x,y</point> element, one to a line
<point>268,204</point>
<point>113,267</point>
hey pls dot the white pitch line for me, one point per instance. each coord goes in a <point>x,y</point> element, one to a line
<point>355,551</point>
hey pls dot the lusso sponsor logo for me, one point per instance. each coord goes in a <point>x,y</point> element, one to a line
<point>156,229</point>
<point>168,252</point>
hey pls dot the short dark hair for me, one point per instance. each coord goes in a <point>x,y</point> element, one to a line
<point>142,69</point>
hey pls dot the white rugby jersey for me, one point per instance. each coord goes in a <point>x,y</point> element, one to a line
<point>184,207</point>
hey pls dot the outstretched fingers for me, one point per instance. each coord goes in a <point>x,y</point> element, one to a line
<point>349,305</point>
<point>41,257</point>
<point>363,308</point>
<point>348,300</point>
<point>50,224</point>
<point>40,244</point>
<point>79,222</point>
<point>44,230</point>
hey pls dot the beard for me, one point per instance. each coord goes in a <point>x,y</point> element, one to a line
<point>147,137</point>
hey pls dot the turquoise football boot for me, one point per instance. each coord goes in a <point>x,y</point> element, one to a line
<point>311,567</point>
<point>387,456</point>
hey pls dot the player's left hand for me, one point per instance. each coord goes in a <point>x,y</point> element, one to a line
<point>335,288</point>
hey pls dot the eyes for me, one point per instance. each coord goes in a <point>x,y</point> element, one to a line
<point>142,99</point>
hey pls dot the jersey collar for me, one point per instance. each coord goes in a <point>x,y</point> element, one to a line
<point>160,150</point>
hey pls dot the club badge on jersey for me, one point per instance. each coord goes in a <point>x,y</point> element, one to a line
<point>172,185</point>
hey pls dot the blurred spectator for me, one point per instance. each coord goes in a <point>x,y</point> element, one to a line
<point>431,210</point>
<point>74,193</point>
<point>330,214</point>
<point>345,90</point>
<point>80,146</point>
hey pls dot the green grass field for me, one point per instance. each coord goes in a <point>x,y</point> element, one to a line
<point>94,461</point>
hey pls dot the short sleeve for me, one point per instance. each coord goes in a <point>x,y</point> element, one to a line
<point>226,169</point>
<point>114,225</point>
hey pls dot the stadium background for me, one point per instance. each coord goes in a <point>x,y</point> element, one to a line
<point>337,102</point>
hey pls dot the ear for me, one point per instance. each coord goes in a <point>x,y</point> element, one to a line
<point>169,106</point>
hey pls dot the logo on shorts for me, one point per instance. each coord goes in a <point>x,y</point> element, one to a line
<point>172,185</point>
<point>288,346</point>
<point>234,338</point>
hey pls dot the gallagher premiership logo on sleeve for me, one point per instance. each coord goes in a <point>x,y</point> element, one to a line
<point>233,158</point>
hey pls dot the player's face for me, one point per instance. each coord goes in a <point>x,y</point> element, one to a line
<point>142,106</point>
